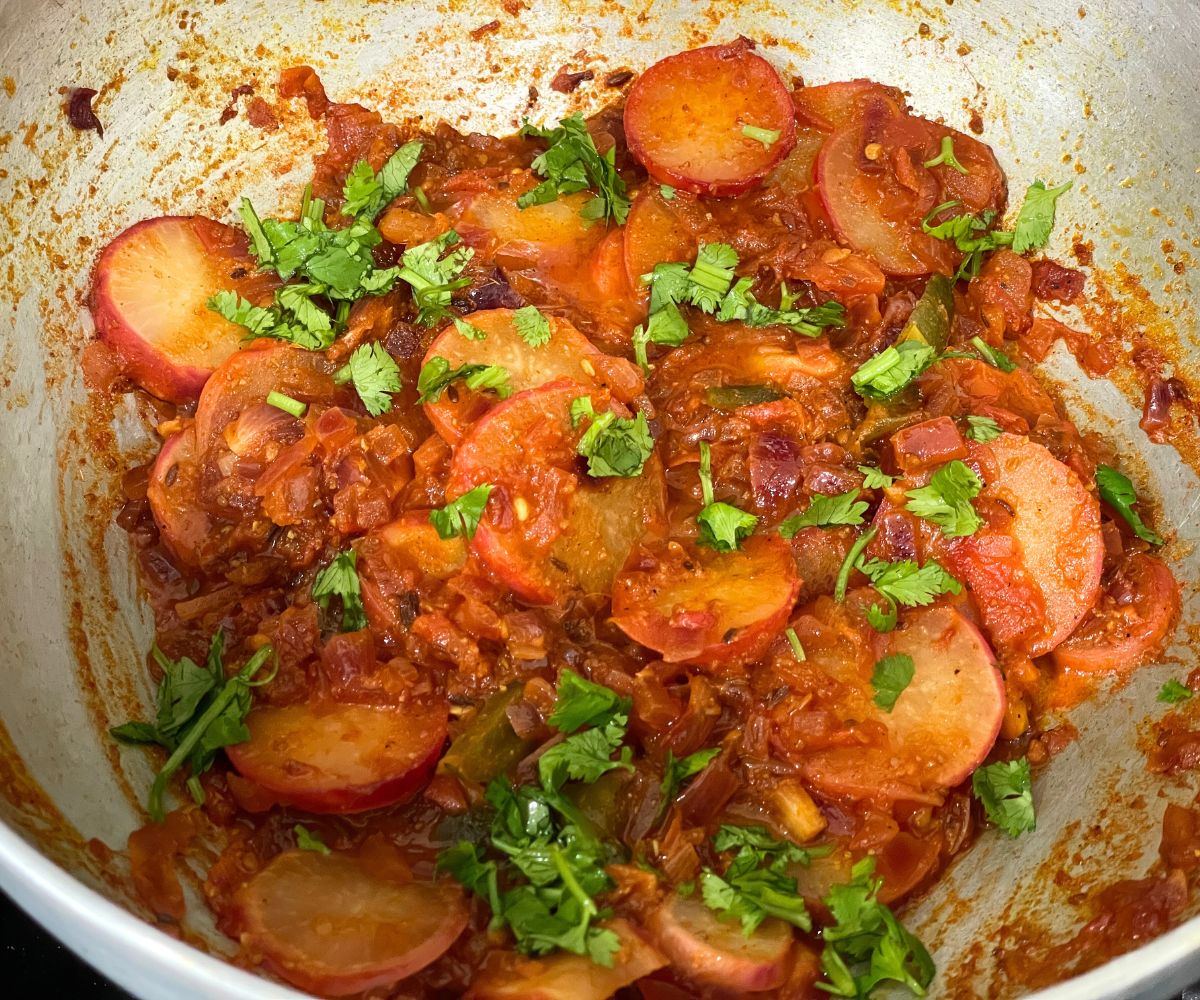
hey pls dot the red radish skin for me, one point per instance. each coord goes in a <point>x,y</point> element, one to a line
<point>1052,543</point>
<point>334,926</point>
<point>716,952</point>
<point>341,758</point>
<point>694,605</point>
<point>549,529</point>
<point>567,354</point>
<point>685,114</point>
<point>149,301</point>
<point>564,976</point>
<point>1130,622</point>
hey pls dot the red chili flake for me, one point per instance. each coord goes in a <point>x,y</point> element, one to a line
<point>565,82</point>
<point>79,110</point>
<point>230,111</point>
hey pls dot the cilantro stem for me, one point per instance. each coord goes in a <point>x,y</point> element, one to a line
<point>856,550</point>
<point>586,903</point>
<point>197,731</point>
<point>706,486</point>
<point>286,403</point>
<point>422,200</point>
<point>767,136</point>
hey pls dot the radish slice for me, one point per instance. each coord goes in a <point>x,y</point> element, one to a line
<point>1035,573</point>
<point>182,524</point>
<point>831,106</point>
<point>563,976</point>
<point>878,210</point>
<point>694,605</point>
<point>567,354</point>
<point>1129,623</point>
<point>149,301</point>
<point>685,115</point>
<point>329,757</point>
<point>716,952</point>
<point>549,529</point>
<point>333,926</point>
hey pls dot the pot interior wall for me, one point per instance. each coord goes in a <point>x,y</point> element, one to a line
<point>1104,93</point>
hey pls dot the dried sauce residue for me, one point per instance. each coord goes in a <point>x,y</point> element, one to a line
<point>80,113</point>
<point>566,82</point>
<point>229,112</point>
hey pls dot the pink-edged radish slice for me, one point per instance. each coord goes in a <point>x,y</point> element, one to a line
<point>709,950</point>
<point>150,294</point>
<point>184,527</point>
<point>1129,623</point>
<point>330,757</point>
<point>567,354</point>
<point>1035,568</point>
<point>563,976</point>
<point>685,116</point>
<point>549,529</point>
<point>694,605</point>
<point>335,925</point>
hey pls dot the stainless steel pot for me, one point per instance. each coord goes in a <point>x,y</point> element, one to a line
<point>1105,92</point>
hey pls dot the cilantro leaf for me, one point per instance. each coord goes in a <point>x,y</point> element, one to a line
<point>375,376</point>
<point>1172,692</point>
<point>613,446</point>
<point>1006,791</point>
<point>200,710</point>
<point>891,370</point>
<point>461,515</point>
<point>533,327</point>
<point>982,429</point>
<point>581,702</point>
<point>756,885</point>
<point>875,478</point>
<point>993,356</point>
<point>340,579</point>
<point>1035,221</point>
<point>467,330</point>
<point>676,772</point>
<point>314,331</point>
<point>971,236</point>
<point>905,583</point>
<point>667,191</point>
<point>946,501</point>
<point>436,374</point>
<point>891,676</point>
<point>433,277</point>
<point>367,193</point>
<point>308,840</point>
<point>573,163</point>
<point>946,157</point>
<point>866,945</point>
<point>585,756</point>
<point>1117,491</point>
<point>826,512</point>
<point>883,619</point>
<point>722,526</point>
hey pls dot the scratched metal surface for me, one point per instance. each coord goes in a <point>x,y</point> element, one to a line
<point>1107,95</point>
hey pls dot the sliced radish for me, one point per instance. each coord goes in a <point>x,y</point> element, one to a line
<point>564,976</point>
<point>149,301</point>
<point>685,115</point>
<point>1035,572</point>
<point>245,379</point>
<point>567,354</point>
<point>1129,623</point>
<point>328,757</point>
<point>183,525</point>
<point>334,925</point>
<point>549,529</point>
<point>876,191</point>
<point>713,951</point>
<point>694,605</point>
<point>831,106</point>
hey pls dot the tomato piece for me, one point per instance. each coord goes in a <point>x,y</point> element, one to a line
<point>685,114</point>
<point>183,525</point>
<point>1003,294</point>
<point>830,106</point>
<point>656,232</point>
<point>694,605</point>
<point>927,444</point>
<point>1042,546</point>
<point>1130,621</point>
<point>334,925</point>
<point>549,529</point>
<point>568,354</point>
<point>329,757</point>
<point>563,976</point>
<point>150,301</point>
<point>710,950</point>
<point>876,190</point>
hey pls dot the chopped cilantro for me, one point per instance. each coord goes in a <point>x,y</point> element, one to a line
<point>340,579</point>
<point>1117,491</point>
<point>468,330</point>
<point>367,193</point>
<point>1006,791</point>
<point>794,642</point>
<point>875,478</point>
<point>676,772</point>
<point>767,136</point>
<point>667,191</point>
<point>972,236</point>
<point>851,562</point>
<point>826,512</point>
<point>284,402</point>
<point>434,279</point>
<point>906,583</point>
<point>722,526</point>
<point>461,515</point>
<point>982,429</point>
<point>580,702</point>
<point>375,376</point>
<point>613,446</point>
<point>946,157</point>
<point>891,676</point>
<point>1035,221</point>
<point>436,374</point>
<point>1172,692</point>
<point>993,356</point>
<point>572,163</point>
<point>533,327</point>
<point>308,840</point>
<point>946,501</point>
<point>891,370</point>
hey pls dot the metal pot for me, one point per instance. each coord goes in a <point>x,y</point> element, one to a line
<point>1104,92</point>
